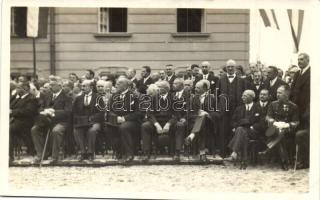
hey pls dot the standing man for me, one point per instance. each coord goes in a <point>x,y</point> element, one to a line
<point>170,74</point>
<point>87,120</point>
<point>131,74</point>
<point>213,80</point>
<point>273,82</point>
<point>257,83</point>
<point>230,89</point>
<point>300,95</point>
<point>145,80</point>
<point>57,109</point>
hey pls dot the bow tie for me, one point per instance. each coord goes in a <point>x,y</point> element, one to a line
<point>231,76</point>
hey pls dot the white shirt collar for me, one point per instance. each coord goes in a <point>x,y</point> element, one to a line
<point>231,79</point>
<point>250,105</point>
<point>89,94</point>
<point>169,77</point>
<point>272,82</point>
<point>145,79</point>
<point>305,69</point>
<point>164,96</point>
<point>57,94</point>
<point>263,103</point>
<point>23,96</point>
<point>133,79</point>
<point>124,92</point>
<point>179,94</point>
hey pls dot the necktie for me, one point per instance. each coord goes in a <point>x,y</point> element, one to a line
<point>86,102</point>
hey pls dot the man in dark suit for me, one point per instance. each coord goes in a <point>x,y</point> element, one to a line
<point>180,100</point>
<point>161,120</point>
<point>199,118</point>
<point>230,89</point>
<point>23,110</point>
<point>145,80</point>
<point>256,84</point>
<point>273,82</point>
<point>125,115</point>
<point>87,118</point>
<point>131,75</point>
<point>170,75</point>
<point>206,75</point>
<point>300,95</point>
<point>57,109</point>
<point>250,77</point>
<point>244,124</point>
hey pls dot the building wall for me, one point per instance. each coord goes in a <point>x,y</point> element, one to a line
<point>151,42</point>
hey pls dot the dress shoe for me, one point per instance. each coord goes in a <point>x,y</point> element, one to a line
<point>145,158</point>
<point>284,165</point>
<point>91,156</point>
<point>176,157</point>
<point>243,164</point>
<point>301,166</point>
<point>82,157</point>
<point>54,161</point>
<point>203,158</point>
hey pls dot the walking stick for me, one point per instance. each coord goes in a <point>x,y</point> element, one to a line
<point>296,160</point>
<point>45,146</point>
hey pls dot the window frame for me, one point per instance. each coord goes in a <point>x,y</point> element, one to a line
<point>203,20</point>
<point>107,32</point>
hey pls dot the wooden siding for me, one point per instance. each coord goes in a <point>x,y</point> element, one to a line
<point>151,42</point>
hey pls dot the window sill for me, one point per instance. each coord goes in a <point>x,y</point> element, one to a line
<point>190,34</point>
<point>114,34</point>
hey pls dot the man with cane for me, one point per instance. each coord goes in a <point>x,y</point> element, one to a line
<point>56,114</point>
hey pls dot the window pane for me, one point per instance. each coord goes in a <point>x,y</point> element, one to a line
<point>118,20</point>
<point>189,20</point>
<point>19,20</point>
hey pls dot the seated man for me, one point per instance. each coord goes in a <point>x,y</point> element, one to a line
<point>123,119</point>
<point>282,120</point>
<point>87,119</point>
<point>23,110</point>
<point>244,124</point>
<point>180,98</point>
<point>161,120</point>
<point>57,110</point>
<point>198,118</point>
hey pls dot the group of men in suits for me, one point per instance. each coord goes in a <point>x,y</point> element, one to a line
<point>212,115</point>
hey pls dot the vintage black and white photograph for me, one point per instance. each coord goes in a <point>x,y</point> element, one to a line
<point>129,100</point>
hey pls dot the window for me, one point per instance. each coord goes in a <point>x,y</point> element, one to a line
<point>19,22</point>
<point>190,20</point>
<point>113,20</point>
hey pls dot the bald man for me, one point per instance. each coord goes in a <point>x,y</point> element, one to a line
<point>124,120</point>
<point>230,89</point>
<point>87,119</point>
<point>209,75</point>
<point>245,120</point>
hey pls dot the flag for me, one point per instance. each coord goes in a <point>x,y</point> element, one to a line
<point>32,21</point>
<point>29,22</point>
<point>296,23</point>
<point>269,18</point>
